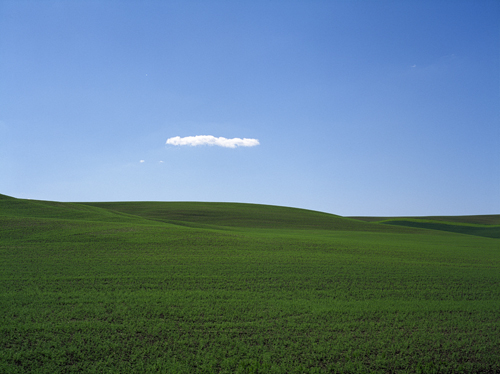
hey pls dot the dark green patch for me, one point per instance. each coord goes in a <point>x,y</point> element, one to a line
<point>485,219</point>
<point>490,231</point>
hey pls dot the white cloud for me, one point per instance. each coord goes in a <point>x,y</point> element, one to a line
<point>141,161</point>
<point>212,140</point>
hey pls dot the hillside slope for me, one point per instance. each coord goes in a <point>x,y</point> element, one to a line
<point>209,214</point>
<point>237,215</point>
<point>481,225</point>
<point>25,208</point>
<point>239,288</point>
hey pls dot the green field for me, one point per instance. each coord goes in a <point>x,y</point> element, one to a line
<point>148,287</point>
<point>485,225</point>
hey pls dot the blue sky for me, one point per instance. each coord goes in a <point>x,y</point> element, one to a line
<point>359,107</point>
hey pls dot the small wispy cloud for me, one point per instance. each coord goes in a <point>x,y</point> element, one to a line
<point>142,161</point>
<point>212,140</point>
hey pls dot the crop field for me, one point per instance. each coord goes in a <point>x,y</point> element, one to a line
<point>174,287</point>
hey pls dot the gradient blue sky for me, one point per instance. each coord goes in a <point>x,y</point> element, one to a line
<point>360,107</point>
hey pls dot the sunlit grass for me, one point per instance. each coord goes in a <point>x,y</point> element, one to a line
<point>104,290</point>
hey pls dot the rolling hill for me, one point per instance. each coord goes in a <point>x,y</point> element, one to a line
<point>480,225</point>
<point>190,287</point>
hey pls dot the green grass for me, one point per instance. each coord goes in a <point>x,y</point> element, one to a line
<point>237,215</point>
<point>484,225</point>
<point>485,219</point>
<point>239,288</point>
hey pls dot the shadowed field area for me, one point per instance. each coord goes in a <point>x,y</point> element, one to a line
<point>483,225</point>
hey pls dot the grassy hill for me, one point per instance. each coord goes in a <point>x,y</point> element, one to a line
<point>238,215</point>
<point>177,287</point>
<point>485,219</point>
<point>481,225</point>
<point>11,207</point>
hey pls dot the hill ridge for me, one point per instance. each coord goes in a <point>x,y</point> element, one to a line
<point>221,215</point>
